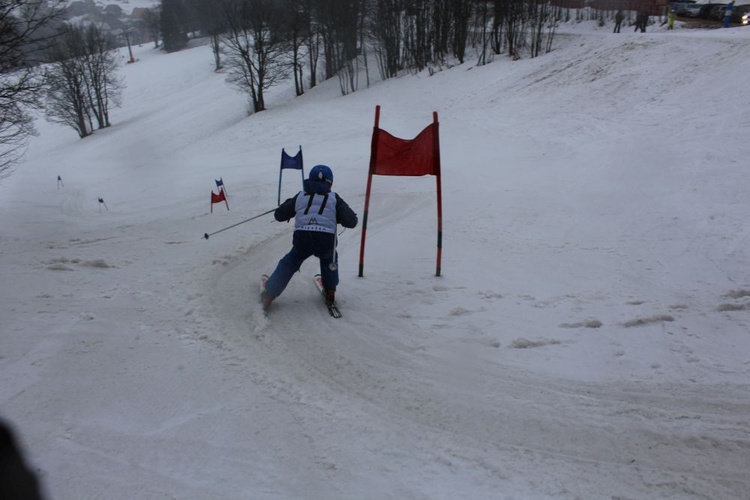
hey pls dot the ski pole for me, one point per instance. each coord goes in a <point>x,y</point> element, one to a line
<point>206,235</point>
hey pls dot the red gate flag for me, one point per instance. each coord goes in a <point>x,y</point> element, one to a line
<point>390,155</point>
<point>393,156</point>
<point>218,198</point>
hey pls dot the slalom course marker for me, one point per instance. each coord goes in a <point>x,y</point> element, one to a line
<point>390,155</point>
<point>218,198</point>
<point>292,163</point>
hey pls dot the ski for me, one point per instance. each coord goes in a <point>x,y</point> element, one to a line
<point>333,309</point>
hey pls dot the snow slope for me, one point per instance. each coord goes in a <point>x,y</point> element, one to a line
<point>588,337</point>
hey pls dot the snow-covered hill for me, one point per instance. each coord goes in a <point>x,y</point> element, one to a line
<point>588,337</point>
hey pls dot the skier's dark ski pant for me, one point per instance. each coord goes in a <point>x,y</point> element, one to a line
<point>304,245</point>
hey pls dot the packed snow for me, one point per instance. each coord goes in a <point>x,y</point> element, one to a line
<point>588,338</point>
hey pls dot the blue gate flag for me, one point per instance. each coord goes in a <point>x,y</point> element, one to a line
<point>220,185</point>
<point>293,163</point>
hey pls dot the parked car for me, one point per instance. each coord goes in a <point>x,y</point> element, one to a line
<point>717,12</point>
<point>691,10</point>
<point>707,9</point>
<point>678,7</point>
<point>741,15</point>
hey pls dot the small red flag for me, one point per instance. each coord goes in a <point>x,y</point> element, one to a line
<point>218,198</point>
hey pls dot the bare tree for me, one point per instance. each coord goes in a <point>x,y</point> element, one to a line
<point>480,34</point>
<point>539,16</point>
<point>513,13</point>
<point>152,20</point>
<point>256,53</point>
<point>26,28</point>
<point>81,82</point>
<point>104,87</point>
<point>347,27</point>
<point>387,30</point>
<point>441,23</point>
<point>365,10</point>
<point>297,28</point>
<point>418,37</point>
<point>174,25</point>
<point>65,83</point>
<point>312,38</point>
<point>461,14</point>
<point>209,17</point>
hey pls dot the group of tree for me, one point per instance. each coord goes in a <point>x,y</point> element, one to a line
<point>66,71</point>
<point>27,29</point>
<point>260,42</point>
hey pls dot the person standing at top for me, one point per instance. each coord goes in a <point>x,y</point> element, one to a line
<point>728,14</point>
<point>641,20</point>
<point>618,21</point>
<point>317,211</point>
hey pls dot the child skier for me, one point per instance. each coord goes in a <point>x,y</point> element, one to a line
<point>317,210</point>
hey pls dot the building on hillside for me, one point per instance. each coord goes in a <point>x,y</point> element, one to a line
<point>139,13</point>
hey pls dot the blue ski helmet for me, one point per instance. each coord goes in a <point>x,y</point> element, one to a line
<point>321,173</point>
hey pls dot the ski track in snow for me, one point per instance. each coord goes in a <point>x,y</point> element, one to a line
<point>637,436</point>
